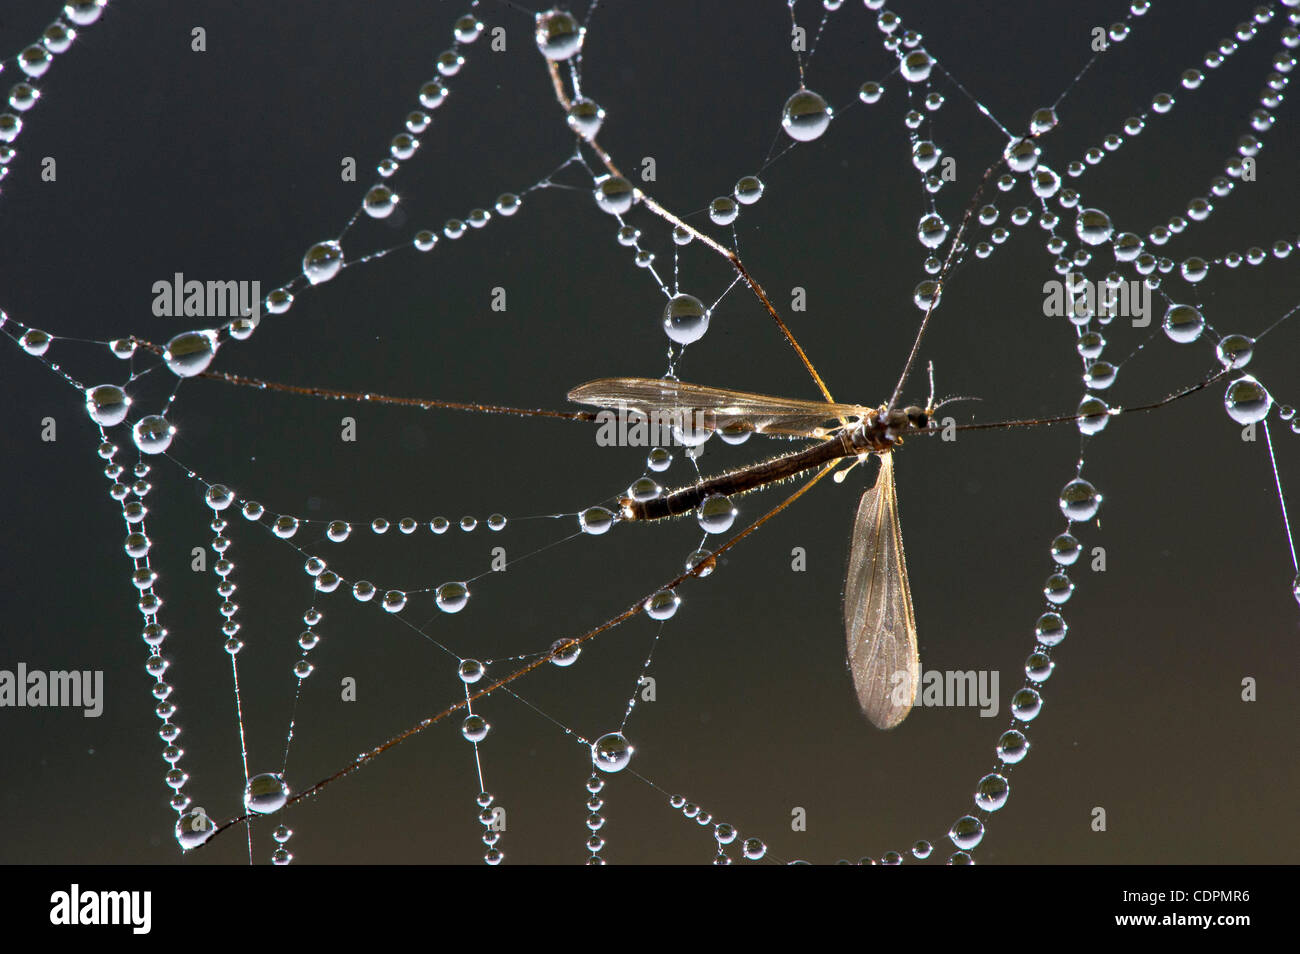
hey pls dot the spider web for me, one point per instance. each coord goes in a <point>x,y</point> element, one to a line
<point>230,169</point>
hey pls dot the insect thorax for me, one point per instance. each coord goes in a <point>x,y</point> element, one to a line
<point>881,429</point>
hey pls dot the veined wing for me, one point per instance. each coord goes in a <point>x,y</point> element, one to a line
<point>878,616</point>
<point>787,417</point>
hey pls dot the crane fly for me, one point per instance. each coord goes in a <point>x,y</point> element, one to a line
<point>879,622</point>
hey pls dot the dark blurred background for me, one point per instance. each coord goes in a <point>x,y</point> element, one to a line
<point>225,164</point>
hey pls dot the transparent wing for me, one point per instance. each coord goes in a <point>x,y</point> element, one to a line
<point>878,616</point>
<point>761,413</point>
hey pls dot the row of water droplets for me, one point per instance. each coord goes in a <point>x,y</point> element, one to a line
<point>1246,400</point>
<point>189,354</point>
<point>34,62</point>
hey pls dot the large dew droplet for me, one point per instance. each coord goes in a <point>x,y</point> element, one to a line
<point>932,230</point>
<point>663,605</point>
<point>322,262</point>
<point>586,117</point>
<point>380,202</point>
<point>716,514</point>
<point>558,35</point>
<point>611,752</point>
<point>1247,401</point>
<point>685,319</point>
<point>190,352</point>
<point>614,195</point>
<point>805,116</point>
<point>595,520</point>
<point>265,793</point>
<point>1093,413</point>
<point>107,404</point>
<point>452,597</point>
<point>1183,323</point>
<point>152,434</point>
<point>194,828</point>
<point>991,792</point>
<point>1093,227</point>
<point>966,832</point>
<point>1079,500</point>
<point>916,66</point>
<point>1235,351</point>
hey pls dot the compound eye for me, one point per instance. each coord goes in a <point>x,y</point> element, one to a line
<point>897,419</point>
<point>917,416</point>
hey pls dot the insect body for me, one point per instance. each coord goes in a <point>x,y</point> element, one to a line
<point>879,622</point>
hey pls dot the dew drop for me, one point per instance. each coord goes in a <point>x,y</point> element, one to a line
<point>1100,375</point>
<point>470,671</point>
<point>35,342</point>
<point>452,597</point>
<point>265,793</point>
<point>1059,588</point>
<point>559,36</point>
<point>748,190</point>
<point>322,262</point>
<point>1235,351</point>
<point>932,230</point>
<point>595,520</point>
<point>1026,704</point>
<point>1194,269</point>
<point>916,66</point>
<point>663,605</point>
<point>565,652</point>
<point>685,319</point>
<point>921,850</point>
<point>1065,549</point>
<point>991,792</point>
<point>1247,401</point>
<point>926,295</point>
<point>194,828</point>
<point>379,202</point>
<point>805,116</point>
<point>614,195</point>
<point>1039,667</point>
<point>475,728</point>
<point>1093,227</point>
<point>716,514</point>
<point>1022,155</point>
<point>966,832</point>
<point>1012,747</point>
<point>152,434</point>
<point>611,752</point>
<point>586,117</point>
<point>107,404</point>
<point>703,559</point>
<point>643,489</point>
<point>285,527</point>
<point>394,601</point>
<point>1094,414</point>
<point>1183,323</point>
<point>1042,121</point>
<point>723,210</point>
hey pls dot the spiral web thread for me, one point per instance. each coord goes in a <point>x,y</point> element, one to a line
<point>1020,201</point>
